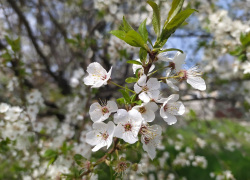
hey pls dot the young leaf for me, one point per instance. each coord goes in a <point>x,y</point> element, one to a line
<point>120,101</point>
<point>50,153</point>
<point>132,98</point>
<point>126,25</point>
<point>175,9</point>
<point>175,23</point>
<point>131,80</point>
<point>118,33</point>
<point>79,159</point>
<point>136,38</point>
<point>134,62</point>
<point>171,49</point>
<point>156,21</point>
<point>143,31</point>
<point>143,55</point>
<point>136,72</point>
<point>125,95</point>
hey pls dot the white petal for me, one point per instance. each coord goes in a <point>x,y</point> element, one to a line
<point>154,95</point>
<point>120,116</point>
<point>144,97</point>
<point>109,141</point>
<point>100,126</point>
<point>149,149</point>
<point>179,59</point>
<point>162,112</point>
<point>173,98</point>
<point>110,128</point>
<point>96,68</point>
<point>197,83</point>
<point>142,80</point>
<point>112,106</point>
<point>181,109</point>
<point>168,71</point>
<point>157,129</point>
<point>171,84</point>
<point>93,138</point>
<point>135,115</point>
<point>99,146</point>
<point>137,88</point>
<point>88,80</point>
<point>152,106</point>
<point>149,116</point>
<point>151,68</point>
<point>130,138</point>
<point>98,83</point>
<point>170,119</point>
<point>96,115</point>
<point>153,84</point>
<point>135,66</point>
<point>118,131</point>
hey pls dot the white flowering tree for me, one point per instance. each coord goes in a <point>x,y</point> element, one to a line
<point>93,89</point>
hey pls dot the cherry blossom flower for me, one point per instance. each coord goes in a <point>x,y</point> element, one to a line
<point>136,66</point>
<point>145,87</point>
<point>170,108</point>
<point>129,124</point>
<point>150,138</point>
<point>193,77</point>
<point>98,76</point>
<point>147,111</point>
<point>4,107</point>
<point>102,112</point>
<point>102,135</point>
<point>13,113</point>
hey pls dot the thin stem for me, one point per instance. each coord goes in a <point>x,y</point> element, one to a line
<point>122,87</point>
<point>168,77</point>
<point>158,70</point>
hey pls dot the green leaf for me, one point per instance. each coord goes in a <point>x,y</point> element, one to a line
<point>136,72</point>
<point>79,159</point>
<point>175,9</point>
<point>72,41</point>
<point>52,160</point>
<point>125,95</point>
<point>131,80</point>
<point>175,23</point>
<point>156,21</point>
<point>132,98</point>
<point>134,62</point>
<point>120,101</point>
<point>118,33</point>
<point>150,42</point>
<point>16,45</point>
<point>143,54</point>
<point>143,31</point>
<point>135,38</point>
<point>50,153</point>
<point>245,39</point>
<point>9,41</point>
<point>126,26</point>
<point>171,49</point>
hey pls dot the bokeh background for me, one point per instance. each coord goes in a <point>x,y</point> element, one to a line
<point>45,48</point>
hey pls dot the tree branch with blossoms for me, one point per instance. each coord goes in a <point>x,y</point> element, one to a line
<point>134,122</point>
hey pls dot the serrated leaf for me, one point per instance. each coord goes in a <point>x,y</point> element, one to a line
<point>156,21</point>
<point>143,31</point>
<point>131,80</point>
<point>79,159</point>
<point>143,54</point>
<point>126,26</point>
<point>171,49</point>
<point>175,9</point>
<point>135,38</point>
<point>134,62</point>
<point>125,95</point>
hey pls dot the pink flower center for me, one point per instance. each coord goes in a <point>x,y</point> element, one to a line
<point>144,88</point>
<point>146,140</point>
<point>127,127</point>
<point>183,74</point>
<point>105,136</point>
<point>142,110</point>
<point>165,107</point>
<point>105,110</point>
<point>103,77</point>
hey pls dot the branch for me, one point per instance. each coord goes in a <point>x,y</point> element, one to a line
<point>63,84</point>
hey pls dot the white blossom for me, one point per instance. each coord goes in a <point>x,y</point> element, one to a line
<point>4,107</point>
<point>170,108</point>
<point>145,87</point>
<point>102,135</point>
<point>147,111</point>
<point>102,112</point>
<point>129,124</point>
<point>98,76</point>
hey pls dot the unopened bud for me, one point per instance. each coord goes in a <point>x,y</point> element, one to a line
<point>134,167</point>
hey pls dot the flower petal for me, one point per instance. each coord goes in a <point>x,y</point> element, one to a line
<point>151,106</point>
<point>120,116</point>
<point>170,119</point>
<point>142,80</point>
<point>172,85</point>
<point>197,83</point>
<point>153,84</point>
<point>179,59</point>
<point>137,88</point>
<point>144,97</point>
<point>112,106</point>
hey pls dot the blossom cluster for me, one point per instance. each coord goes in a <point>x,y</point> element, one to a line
<point>133,122</point>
